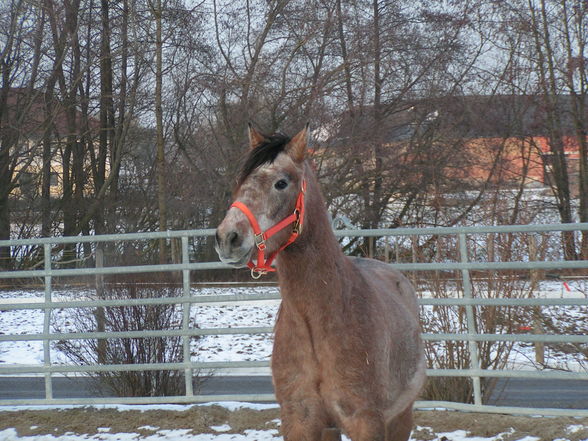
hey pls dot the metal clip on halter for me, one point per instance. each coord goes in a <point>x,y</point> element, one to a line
<point>256,273</point>
<point>297,228</point>
<point>260,241</point>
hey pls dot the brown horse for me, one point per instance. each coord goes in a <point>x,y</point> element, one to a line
<point>347,351</point>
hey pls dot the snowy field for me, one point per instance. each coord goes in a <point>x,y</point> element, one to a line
<point>231,348</point>
<point>219,348</point>
<point>208,349</point>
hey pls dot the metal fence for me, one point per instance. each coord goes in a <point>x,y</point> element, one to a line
<point>461,251</point>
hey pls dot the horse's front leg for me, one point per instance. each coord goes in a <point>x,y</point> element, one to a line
<point>331,434</point>
<point>370,425</point>
<point>304,420</point>
<point>296,378</point>
<point>365,425</point>
<point>400,428</point>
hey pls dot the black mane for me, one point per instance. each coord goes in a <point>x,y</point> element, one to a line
<point>265,152</point>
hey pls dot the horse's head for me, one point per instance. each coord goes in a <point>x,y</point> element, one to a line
<point>269,201</point>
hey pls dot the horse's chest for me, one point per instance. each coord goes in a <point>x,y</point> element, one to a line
<point>307,352</point>
<point>324,363</point>
<point>297,340</point>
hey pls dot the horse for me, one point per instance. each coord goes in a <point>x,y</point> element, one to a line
<point>347,352</point>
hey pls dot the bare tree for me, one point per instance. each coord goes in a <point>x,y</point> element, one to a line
<point>20,60</point>
<point>392,83</point>
<point>551,41</point>
<point>128,88</point>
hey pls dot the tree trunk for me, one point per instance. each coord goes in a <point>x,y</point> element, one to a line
<point>5,257</point>
<point>106,122</point>
<point>5,167</point>
<point>576,39</point>
<point>160,159</point>
<point>547,74</point>
<point>46,188</point>
<point>344,56</point>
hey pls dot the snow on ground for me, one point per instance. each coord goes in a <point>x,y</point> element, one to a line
<point>244,347</point>
<point>167,435</point>
<point>248,435</point>
<point>210,348</point>
<point>240,347</point>
<point>224,432</point>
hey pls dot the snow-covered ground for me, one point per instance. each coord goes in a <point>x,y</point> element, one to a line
<point>207,349</point>
<point>215,431</point>
<point>168,435</point>
<point>210,348</point>
<point>244,347</point>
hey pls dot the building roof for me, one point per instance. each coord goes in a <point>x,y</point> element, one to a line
<point>474,116</point>
<point>26,113</point>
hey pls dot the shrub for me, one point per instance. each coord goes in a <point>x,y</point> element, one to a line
<point>118,351</point>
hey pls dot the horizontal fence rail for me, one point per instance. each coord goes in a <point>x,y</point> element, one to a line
<point>462,261</point>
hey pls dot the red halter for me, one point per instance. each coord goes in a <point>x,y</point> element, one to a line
<point>263,266</point>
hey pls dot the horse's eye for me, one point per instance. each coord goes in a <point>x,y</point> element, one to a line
<point>281,184</point>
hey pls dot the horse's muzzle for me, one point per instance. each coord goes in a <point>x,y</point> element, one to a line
<point>231,247</point>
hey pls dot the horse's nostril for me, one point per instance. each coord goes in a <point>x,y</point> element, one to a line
<point>233,239</point>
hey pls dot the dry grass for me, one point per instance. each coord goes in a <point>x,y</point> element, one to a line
<point>198,419</point>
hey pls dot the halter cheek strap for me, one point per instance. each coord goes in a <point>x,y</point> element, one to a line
<point>263,266</point>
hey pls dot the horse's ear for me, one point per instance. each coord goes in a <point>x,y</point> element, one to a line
<point>255,137</point>
<point>297,146</point>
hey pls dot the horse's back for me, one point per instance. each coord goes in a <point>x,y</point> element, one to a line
<point>388,281</point>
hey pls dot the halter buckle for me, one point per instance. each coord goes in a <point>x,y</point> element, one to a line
<point>260,241</point>
<point>297,229</point>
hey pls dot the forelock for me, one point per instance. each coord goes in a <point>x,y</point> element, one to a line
<point>264,153</point>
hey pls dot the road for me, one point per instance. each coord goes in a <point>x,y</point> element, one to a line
<point>82,387</point>
<point>572,394</point>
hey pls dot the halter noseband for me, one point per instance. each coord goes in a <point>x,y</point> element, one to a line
<point>263,266</point>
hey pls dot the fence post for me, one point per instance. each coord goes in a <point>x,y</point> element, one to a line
<point>100,314</point>
<point>437,257</point>
<point>188,373</point>
<point>537,322</point>
<point>414,248</point>
<point>470,318</point>
<point>47,322</point>
<point>491,251</point>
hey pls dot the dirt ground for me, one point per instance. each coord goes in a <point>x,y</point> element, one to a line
<point>199,419</point>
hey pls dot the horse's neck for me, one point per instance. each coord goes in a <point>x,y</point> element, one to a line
<point>315,259</point>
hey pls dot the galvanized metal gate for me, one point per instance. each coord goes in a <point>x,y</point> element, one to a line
<point>463,240</point>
